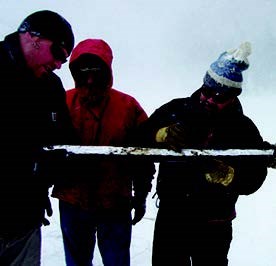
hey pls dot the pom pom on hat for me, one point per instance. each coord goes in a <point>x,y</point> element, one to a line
<point>226,72</point>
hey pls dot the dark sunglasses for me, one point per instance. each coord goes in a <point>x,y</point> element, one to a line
<point>218,97</point>
<point>87,71</point>
<point>58,53</point>
<point>56,49</point>
<point>90,69</point>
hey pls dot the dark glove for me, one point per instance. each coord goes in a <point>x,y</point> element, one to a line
<point>53,155</point>
<point>175,136</point>
<point>139,206</point>
<point>52,165</point>
<point>49,211</point>
<point>219,173</point>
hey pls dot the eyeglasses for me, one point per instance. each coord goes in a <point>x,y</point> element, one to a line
<point>90,69</point>
<point>58,53</point>
<point>218,97</point>
<point>85,72</point>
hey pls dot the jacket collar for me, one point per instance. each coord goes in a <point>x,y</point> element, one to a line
<point>13,49</point>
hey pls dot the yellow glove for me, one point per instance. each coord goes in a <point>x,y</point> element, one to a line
<point>161,134</point>
<point>174,136</point>
<point>220,173</point>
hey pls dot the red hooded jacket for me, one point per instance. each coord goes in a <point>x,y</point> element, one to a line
<point>107,123</point>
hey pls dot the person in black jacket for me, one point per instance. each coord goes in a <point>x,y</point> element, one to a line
<point>197,197</point>
<point>33,114</point>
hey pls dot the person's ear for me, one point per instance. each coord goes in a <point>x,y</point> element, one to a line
<point>36,44</point>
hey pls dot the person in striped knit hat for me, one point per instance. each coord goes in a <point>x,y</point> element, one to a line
<point>198,197</point>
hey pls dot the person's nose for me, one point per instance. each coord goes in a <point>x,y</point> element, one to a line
<point>58,64</point>
<point>90,79</point>
<point>210,100</point>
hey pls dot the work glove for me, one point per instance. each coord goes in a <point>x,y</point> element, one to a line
<point>139,206</point>
<point>54,155</point>
<point>54,166</point>
<point>219,173</point>
<point>48,210</point>
<point>175,136</point>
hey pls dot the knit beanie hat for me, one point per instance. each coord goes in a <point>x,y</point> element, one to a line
<point>50,25</point>
<point>226,72</point>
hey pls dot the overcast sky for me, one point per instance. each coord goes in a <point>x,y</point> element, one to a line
<point>162,49</point>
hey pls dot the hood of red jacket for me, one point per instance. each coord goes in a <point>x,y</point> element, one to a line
<point>96,47</point>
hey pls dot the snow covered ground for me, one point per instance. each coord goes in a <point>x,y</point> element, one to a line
<point>254,237</point>
<point>52,249</point>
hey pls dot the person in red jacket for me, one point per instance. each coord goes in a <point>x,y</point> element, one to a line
<point>99,201</point>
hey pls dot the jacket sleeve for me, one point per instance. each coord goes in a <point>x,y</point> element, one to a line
<point>250,172</point>
<point>142,172</point>
<point>161,117</point>
<point>54,165</point>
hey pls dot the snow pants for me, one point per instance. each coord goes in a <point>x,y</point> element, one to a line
<point>80,230</point>
<point>23,251</point>
<point>180,240</point>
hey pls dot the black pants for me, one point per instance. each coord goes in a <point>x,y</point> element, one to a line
<point>183,241</point>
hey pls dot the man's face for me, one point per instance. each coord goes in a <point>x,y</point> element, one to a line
<point>92,74</point>
<point>214,101</point>
<point>46,57</point>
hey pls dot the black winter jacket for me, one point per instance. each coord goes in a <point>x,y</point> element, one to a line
<point>182,185</point>
<point>33,114</point>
